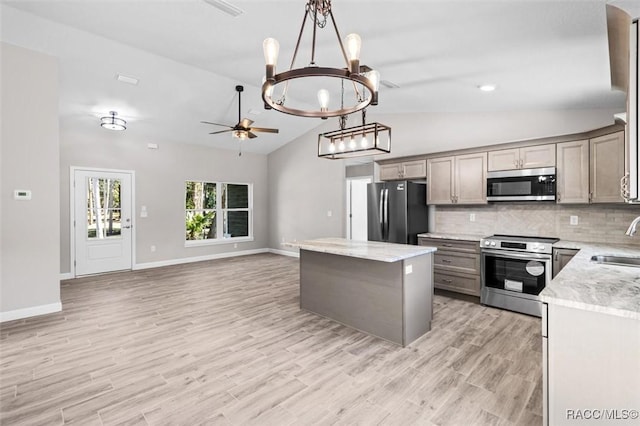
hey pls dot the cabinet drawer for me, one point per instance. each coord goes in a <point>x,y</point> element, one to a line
<point>457,261</point>
<point>467,284</point>
<point>451,245</point>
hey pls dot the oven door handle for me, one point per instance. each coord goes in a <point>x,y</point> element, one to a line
<point>524,256</point>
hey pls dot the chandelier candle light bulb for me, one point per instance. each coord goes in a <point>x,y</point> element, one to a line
<point>353,44</point>
<point>323,99</point>
<point>271,48</point>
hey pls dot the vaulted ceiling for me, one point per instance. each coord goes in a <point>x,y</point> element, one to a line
<point>188,56</point>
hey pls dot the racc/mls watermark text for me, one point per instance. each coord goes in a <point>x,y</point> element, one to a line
<point>602,414</point>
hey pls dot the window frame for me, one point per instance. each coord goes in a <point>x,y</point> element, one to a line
<point>220,239</point>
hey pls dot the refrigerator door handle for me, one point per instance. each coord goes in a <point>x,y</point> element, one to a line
<point>381,202</point>
<point>386,213</point>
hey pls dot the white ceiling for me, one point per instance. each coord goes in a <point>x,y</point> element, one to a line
<point>188,55</point>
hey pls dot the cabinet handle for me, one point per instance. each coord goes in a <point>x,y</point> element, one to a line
<point>447,281</point>
<point>516,163</point>
<point>445,261</point>
<point>521,163</point>
<point>624,187</point>
<point>558,197</point>
<point>590,196</point>
<point>447,245</point>
<point>556,255</point>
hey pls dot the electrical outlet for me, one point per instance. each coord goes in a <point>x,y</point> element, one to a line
<point>235,245</point>
<point>329,213</point>
<point>153,249</point>
<point>472,217</point>
<point>573,220</point>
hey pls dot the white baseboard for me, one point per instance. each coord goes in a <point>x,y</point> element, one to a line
<point>66,276</point>
<point>284,253</point>
<point>171,262</point>
<point>30,312</point>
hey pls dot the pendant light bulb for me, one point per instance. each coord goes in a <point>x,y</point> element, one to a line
<point>332,147</point>
<point>353,42</point>
<point>374,78</point>
<point>271,48</point>
<point>364,141</point>
<point>341,145</point>
<point>352,143</point>
<point>323,99</point>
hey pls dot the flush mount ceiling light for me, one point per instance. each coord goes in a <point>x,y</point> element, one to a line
<point>307,80</point>
<point>113,123</point>
<point>357,141</point>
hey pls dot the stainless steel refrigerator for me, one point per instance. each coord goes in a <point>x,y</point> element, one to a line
<point>397,211</point>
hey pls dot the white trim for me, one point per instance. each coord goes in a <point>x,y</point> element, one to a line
<point>30,312</point>
<point>216,241</point>
<point>284,252</point>
<point>171,262</point>
<point>72,214</point>
<point>66,276</point>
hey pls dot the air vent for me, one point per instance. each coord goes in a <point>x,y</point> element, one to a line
<point>389,84</point>
<point>127,79</point>
<point>226,7</point>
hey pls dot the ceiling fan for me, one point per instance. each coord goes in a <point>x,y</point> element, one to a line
<point>243,129</point>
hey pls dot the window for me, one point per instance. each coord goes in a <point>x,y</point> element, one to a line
<point>217,212</point>
<point>103,208</point>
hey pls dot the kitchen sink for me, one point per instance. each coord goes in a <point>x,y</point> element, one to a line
<point>617,260</point>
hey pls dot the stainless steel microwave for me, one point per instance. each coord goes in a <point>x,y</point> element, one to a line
<point>522,185</point>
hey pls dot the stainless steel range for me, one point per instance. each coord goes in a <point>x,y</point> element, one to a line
<point>514,271</point>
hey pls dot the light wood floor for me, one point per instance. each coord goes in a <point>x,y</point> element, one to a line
<point>224,342</point>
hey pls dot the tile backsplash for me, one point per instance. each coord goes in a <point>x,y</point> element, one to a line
<point>596,223</point>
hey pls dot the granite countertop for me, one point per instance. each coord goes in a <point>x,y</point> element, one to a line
<point>591,286</point>
<point>461,237</point>
<point>371,250</point>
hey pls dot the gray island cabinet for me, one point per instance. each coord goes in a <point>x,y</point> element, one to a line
<point>382,289</point>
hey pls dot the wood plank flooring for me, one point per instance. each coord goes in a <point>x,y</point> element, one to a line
<point>224,342</point>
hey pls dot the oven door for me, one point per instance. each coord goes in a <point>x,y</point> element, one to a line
<point>515,273</point>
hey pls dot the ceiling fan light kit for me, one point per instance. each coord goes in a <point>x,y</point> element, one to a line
<point>243,129</point>
<point>365,80</point>
<point>112,123</point>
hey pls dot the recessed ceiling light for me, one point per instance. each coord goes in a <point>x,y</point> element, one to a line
<point>127,79</point>
<point>253,111</point>
<point>226,7</point>
<point>487,87</point>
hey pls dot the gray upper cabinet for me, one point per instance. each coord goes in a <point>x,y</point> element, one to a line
<point>460,179</point>
<point>528,157</point>
<point>416,169</point>
<point>573,172</point>
<point>607,168</point>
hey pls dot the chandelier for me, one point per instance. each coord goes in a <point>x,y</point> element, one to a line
<point>314,79</point>
<point>357,141</point>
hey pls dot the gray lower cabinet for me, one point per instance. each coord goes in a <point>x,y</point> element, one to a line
<point>561,257</point>
<point>456,265</point>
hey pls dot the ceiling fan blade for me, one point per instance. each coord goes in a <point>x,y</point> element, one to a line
<point>215,124</point>
<point>245,122</point>
<point>264,129</point>
<point>252,135</point>
<point>221,131</point>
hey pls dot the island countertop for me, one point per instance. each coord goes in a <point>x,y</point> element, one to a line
<point>587,285</point>
<point>371,250</point>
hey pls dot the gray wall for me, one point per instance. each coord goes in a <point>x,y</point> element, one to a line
<point>302,190</point>
<point>30,152</point>
<point>302,187</point>
<point>160,184</point>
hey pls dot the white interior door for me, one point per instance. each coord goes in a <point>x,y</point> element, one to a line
<point>103,221</point>
<point>357,208</point>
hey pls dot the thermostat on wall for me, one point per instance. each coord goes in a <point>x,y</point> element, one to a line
<point>22,194</point>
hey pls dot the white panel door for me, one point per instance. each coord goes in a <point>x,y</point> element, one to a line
<point>357,209</point>
<point>103,221</point>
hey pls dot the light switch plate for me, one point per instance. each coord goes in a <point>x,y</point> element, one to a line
<point>22,194</point>
<point>573,220</point>
<point>408,269</point>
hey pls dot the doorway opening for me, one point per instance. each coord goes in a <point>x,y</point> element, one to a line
<point>357,208</point>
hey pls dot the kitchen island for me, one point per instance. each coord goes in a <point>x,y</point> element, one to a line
<point>379,288</point>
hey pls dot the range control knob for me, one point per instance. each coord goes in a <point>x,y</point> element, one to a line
<point>493,243</point>
<point>486,243</point>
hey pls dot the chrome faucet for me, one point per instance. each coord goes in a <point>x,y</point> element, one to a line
<point>632,228</point>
